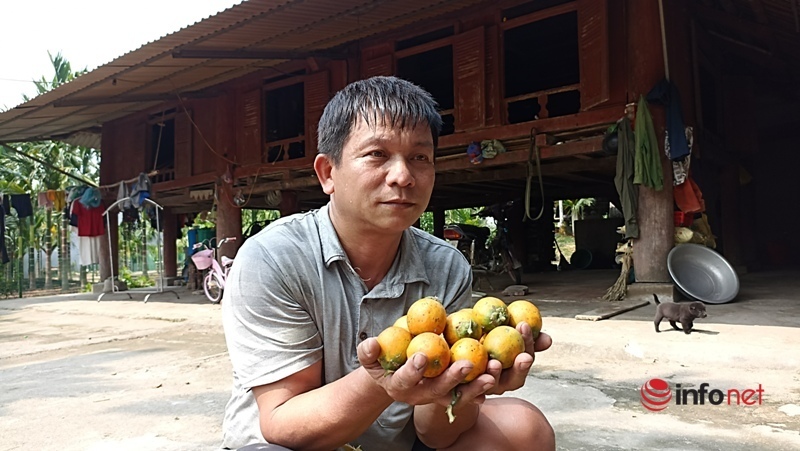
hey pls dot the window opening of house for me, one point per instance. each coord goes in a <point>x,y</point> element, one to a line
<point>424,38</point>
<point>530,7</point>
<point>433,70</point>
<point>542,69</point>
<point>285,123</point>
<point>162,148</point>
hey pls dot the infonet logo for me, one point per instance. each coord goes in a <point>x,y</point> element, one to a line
<point>656,395</point>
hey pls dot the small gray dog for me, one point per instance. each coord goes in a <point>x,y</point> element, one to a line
<point>685,313</point>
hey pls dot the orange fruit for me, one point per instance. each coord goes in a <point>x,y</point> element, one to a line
<point>435,349</point>
<point>522,310</point>
<point>504,343</point>
<point>470,349</point>
<point>461,324</point>
<point>401,322</point>
<point>490,312</point>
<point>394,342</point>
<point>426,315</point>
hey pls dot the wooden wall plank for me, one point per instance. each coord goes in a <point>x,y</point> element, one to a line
<point>317,93</point>
<point>593,52</point>
<point>469,78</point>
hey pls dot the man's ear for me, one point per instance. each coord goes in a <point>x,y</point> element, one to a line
<point>323,167</point>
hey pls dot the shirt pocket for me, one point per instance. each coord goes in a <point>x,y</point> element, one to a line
<point>396,416</point>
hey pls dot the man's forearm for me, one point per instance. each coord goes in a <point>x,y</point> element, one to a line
<point>329,416</point>
<point>435,430</point>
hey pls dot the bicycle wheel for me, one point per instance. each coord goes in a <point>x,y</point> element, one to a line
<point>212,288</point>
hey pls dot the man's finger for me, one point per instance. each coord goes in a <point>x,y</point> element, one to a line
<point>543,341</point>
<point>409,375</point>
<point>368,351</point>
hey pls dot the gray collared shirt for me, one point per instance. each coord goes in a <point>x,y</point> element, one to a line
<point>293,298</point>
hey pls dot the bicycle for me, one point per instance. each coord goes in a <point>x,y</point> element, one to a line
<point>216,275</point>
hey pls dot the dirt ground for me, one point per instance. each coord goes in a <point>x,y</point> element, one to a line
<point>121,374</point>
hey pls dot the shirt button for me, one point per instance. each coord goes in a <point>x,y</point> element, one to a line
<point>362,336</point>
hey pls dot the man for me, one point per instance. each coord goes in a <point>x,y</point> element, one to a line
<point>305,295</point>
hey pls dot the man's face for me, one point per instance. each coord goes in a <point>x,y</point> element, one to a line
<point>385,178</point>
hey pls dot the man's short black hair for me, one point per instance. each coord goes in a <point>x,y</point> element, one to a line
<point>391,100</point>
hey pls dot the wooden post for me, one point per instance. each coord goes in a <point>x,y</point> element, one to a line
<point>645,69</point>
<point>289,204</point>
<point>170,228</point>
<point>229,221</point>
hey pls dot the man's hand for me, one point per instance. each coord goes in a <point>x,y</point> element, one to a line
<point>514,377</point>
<point>409,386</point>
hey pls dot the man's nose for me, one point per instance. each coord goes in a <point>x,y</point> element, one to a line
<point>400,173</point>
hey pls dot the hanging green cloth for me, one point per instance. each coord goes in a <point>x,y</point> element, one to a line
<point>647,163</point>
<point>628,192</point>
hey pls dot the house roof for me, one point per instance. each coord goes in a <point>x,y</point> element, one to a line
<point>243,39</point>
<point>258,34</point>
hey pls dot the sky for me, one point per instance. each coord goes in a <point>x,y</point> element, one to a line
<point>88,33</point>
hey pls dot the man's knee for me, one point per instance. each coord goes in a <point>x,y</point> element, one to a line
<point>263,447</point>
<point>530,426</point>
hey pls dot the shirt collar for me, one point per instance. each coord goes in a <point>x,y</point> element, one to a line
<point>407,268</point>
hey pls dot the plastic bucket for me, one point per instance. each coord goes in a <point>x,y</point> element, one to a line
<point>581,259</point>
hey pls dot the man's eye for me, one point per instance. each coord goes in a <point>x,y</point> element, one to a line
<point>376,153</point>
<point>421,158</point>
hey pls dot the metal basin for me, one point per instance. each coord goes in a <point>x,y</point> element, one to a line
<point>702,274</point>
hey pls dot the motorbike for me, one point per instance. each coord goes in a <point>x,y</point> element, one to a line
<point>484,250</point>
<point>470,240</point>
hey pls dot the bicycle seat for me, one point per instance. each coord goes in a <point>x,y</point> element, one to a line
<point>226,261</point>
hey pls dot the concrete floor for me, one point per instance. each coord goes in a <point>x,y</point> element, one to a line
<point>125,375</point>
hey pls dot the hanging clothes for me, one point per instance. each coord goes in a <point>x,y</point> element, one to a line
<point>688,197</point>
<point>43,201</point>
<point>647,161</point>
<point>3,251</point>
<point>22,203</point>
<point>89,249</point>
<point>90,220</point>
<point>91,197</point>
<point>140,190</point>
<point>623,180</point>
<point>665,93</point>
<point>58,198</point>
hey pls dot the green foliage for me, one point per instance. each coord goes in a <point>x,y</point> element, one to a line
<point>456,216</point>
<point>132,281</point>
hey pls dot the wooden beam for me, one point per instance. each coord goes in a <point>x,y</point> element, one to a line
<point>603,165</point>
<point>586,119</point>
<point>561,150</point>
<point>135,98</point>
<point>256,54</point>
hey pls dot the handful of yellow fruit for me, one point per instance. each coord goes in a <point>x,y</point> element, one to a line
<point>485,331</point>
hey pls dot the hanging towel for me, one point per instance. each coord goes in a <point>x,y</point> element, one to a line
<point>22,203</point>
<point>59,199</point>
<point>90,198</point>
<point>647,162</point>
<point>43,201</point>
<point>623,180</point>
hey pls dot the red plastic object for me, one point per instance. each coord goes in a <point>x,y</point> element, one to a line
<point>682,219</point>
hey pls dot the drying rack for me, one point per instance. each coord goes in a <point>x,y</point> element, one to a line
<point>159,265</point>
